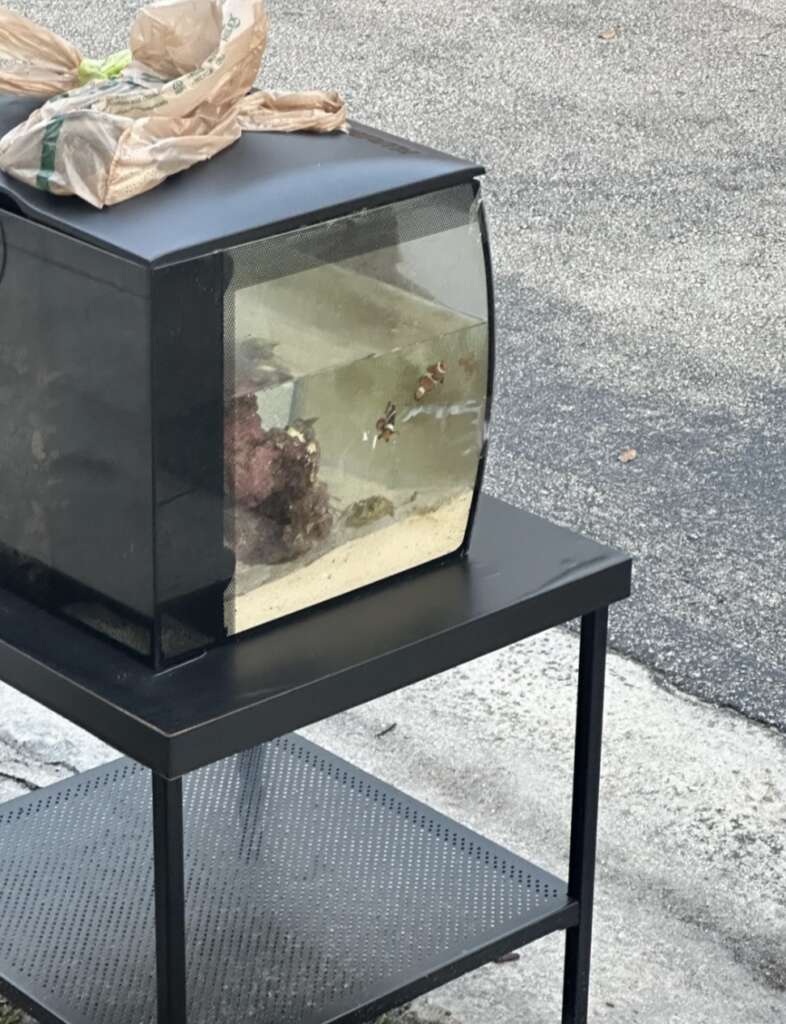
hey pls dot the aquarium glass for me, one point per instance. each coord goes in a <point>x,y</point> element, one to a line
<point>191,450</point>
<point>356,376</point>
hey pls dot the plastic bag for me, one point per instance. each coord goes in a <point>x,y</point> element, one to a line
<point>117,128</point>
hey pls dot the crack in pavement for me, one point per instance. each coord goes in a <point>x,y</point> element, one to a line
<point>31,787</point>
<point>66,766</point>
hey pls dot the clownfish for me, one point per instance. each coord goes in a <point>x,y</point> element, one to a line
<point>386,425</point>
<point>434,375</point>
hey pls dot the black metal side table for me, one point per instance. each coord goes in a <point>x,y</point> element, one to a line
<point>273,881</point>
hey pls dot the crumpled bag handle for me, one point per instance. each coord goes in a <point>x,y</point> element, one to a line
<point>290,111</point>
<point>33,60</point>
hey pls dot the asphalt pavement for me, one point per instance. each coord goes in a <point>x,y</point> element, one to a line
<point>637,195</point>
<point>636,158</point>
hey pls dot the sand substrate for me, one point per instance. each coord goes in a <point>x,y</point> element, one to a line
<point>401,545</point>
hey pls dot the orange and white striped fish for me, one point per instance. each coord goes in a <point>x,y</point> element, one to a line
<point>386,425</point>
<point>434,375</point>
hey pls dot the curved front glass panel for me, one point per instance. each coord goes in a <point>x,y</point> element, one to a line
<point>356,383</point>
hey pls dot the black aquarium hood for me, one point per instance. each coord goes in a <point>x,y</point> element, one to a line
<point>264,184</point>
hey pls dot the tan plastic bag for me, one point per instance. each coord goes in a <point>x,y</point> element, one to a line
<point>179,96</point>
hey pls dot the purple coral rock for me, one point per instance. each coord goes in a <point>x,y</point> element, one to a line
<point>281,508</point>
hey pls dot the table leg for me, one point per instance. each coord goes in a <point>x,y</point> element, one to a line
<point>586,784</point>
<point>170,900</point>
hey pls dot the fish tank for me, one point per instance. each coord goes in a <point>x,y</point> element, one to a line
<point>261,387</point>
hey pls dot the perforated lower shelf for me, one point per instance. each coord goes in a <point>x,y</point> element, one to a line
<point>315,893</point>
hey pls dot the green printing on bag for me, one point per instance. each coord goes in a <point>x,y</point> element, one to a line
<point>49,153</point>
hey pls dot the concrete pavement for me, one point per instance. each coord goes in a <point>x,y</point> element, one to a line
<point>692,873</point>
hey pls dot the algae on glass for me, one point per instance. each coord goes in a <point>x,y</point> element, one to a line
<point>355,401</point>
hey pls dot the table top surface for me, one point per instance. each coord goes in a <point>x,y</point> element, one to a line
<point>522,575</point>
<point>264,184</point>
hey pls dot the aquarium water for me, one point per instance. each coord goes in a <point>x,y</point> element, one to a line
<point>356,408</point>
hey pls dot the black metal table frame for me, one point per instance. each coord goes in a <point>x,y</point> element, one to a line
<point>169,855</point>
<point>594,563</point>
